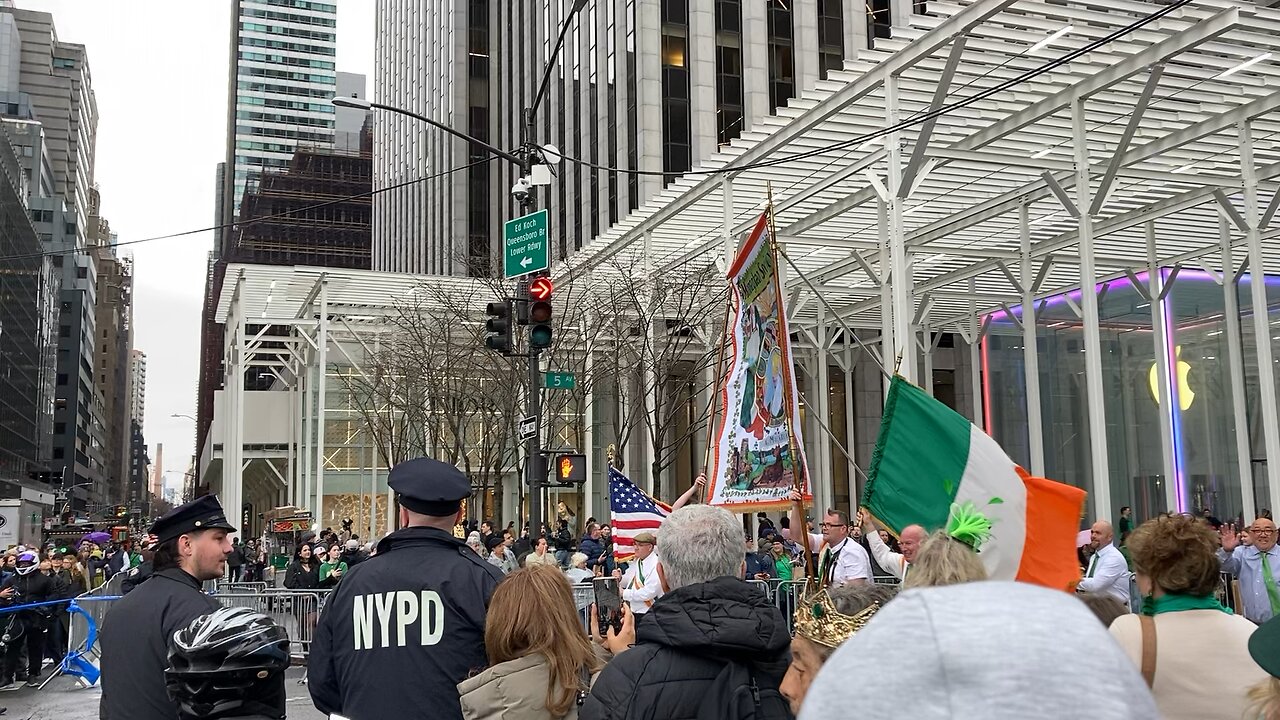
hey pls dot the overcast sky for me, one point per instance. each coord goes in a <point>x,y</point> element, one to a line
<point>160,71</point>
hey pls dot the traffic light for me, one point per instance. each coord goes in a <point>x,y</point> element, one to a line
<point>120,511</point>
<point>571,469</point>
<point>540,332</point>
<point>498,327</point>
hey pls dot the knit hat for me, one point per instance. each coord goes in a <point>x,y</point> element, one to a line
<point>995,650</point>
<point>1264,646</point>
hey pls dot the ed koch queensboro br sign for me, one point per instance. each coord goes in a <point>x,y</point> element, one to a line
<point>525,243</point>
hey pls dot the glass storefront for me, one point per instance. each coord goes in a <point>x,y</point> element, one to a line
<point>1200,468</point>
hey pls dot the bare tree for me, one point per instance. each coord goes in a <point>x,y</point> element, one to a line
<point>430,388</point>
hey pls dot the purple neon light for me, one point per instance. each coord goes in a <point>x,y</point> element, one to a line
<point>1174,405</point>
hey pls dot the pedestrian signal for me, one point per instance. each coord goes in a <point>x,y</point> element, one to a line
<point>571,469</point>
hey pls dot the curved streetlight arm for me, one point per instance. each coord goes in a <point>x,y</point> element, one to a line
<point>551,63</point>
<point>362,104</point>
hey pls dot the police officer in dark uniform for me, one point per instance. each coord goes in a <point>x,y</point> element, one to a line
<point>192,547</point>
<point>404,627</point>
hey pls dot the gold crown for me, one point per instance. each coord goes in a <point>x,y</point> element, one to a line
<point>818,620</point>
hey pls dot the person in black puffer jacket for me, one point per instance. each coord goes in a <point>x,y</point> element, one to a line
<point>711,647</point>
<point>29,586</point>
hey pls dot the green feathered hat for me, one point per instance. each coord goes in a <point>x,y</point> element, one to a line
<point>969,526</point>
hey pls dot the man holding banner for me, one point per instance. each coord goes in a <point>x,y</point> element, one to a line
<point>842,560</point>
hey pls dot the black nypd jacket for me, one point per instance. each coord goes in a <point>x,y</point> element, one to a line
<point>683,644</point>
<point>135,637</point>
<point>402,629</point>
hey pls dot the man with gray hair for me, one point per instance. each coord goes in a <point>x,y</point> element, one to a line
<point>711,646</point>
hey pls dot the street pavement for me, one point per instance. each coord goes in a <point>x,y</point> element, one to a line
<point>63,699</point>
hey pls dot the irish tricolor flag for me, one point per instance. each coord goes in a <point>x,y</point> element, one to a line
<point>928,456</point>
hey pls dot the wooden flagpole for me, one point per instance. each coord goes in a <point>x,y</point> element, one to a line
<point>715,395</point>
<point>799,469</point>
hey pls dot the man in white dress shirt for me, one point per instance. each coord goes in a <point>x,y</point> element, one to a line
<point>842,560</point>
<point>640,583</point>
<point>1108,571</point>
<point>896,564</point>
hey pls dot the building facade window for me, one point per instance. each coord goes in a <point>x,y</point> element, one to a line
<point>676,135</point>
<point>729,95</point>
<point>782,82</point>
<point>830,36</point>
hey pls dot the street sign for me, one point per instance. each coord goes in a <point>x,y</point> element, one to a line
<point>525,245</point>
<point>559,380</point>
<point>528,427</point>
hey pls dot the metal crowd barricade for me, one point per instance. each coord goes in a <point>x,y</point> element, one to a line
<point>240,587</point>
<point>297,611</point>
<point>86,615</point>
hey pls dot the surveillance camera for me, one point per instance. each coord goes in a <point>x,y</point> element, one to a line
<point>521,188</point>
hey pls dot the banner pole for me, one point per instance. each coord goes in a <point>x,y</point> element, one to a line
<point>800,469</point>
<point>843,326</point>
<point>715,393</point>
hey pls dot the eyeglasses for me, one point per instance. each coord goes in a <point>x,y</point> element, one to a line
<point>824,526</point>
<point>1264,531</point>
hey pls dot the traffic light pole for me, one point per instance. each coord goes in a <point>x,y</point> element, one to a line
<point>535,463</point>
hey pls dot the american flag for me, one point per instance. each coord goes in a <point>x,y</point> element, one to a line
<point>633,512</point>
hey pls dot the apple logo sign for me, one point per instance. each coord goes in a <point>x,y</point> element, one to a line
<point>1186,395</point>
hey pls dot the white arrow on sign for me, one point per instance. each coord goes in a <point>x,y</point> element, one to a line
<point>526,262</point>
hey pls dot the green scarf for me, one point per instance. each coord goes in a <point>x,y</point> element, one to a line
<point>1175,603</point>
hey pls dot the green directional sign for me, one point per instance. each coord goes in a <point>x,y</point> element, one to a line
<point>559,380</point>
<point>525,244</point>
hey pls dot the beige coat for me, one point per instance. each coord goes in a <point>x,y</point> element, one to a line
<point>1203,667</point>
<point>513,690</point>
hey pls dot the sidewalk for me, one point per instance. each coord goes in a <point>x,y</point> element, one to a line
<point>62,699</point>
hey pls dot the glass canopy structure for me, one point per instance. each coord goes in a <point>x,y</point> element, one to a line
<point>952,191</point>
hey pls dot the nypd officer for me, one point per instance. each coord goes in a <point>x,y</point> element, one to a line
<point>191,547</point>
<point>404,627</point>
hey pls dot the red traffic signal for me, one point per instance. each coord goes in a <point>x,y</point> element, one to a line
<point>541,288</point>
<point>571,469</point>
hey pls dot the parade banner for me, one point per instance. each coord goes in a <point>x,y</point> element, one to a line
<point>928,457</point>
<point>758,455</point>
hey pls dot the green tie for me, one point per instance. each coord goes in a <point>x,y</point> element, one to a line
<point>1269,582</point>
<point>826,562</point>
<point>1093,564</point>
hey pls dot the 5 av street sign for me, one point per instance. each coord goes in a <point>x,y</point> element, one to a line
<point>525,245</point>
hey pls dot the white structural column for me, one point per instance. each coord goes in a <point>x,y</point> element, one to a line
<point>804,50</point>
<point>855,27</point>
<point>886,289</point>
<point>975,356</point>
<point>903,309</point>
<point>231,490</point>
<point>820,404</point>
<point>1155,294</point>
<point>649,89</point>
<point>1235,366</point>
<point>1031,349</point>
<point>322,363</point>
<point>726,226</point>
<point>308,431</point>
<point>371,446</point>
<point>701,62</point>
<point>755,63</point>
<point>850,427</point>
<point>589,434</point>
<point>1261,320</point>
<point>1101,473</point>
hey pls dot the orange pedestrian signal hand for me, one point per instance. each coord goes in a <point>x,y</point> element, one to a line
<point>571,469</point>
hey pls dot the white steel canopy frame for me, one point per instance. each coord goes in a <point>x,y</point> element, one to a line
<point>1044,187</point>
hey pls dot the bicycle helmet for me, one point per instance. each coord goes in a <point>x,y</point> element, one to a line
<point>230,662</point>
<point>27,562</point>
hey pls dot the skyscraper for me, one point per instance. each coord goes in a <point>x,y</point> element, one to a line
<point>281,81</point>
<point>54,89</point>
<point>653,85</point>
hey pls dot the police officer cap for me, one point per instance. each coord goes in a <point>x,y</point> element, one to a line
<point>203,513</point>
<point>429,487</point>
